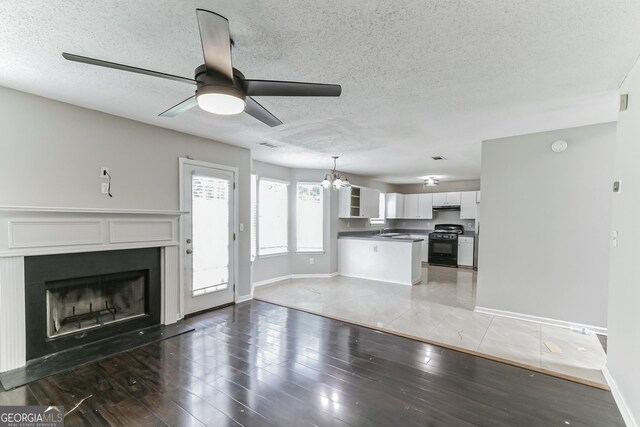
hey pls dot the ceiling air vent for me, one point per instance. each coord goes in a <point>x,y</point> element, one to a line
<point>438,158</point>
<point>267,144</point>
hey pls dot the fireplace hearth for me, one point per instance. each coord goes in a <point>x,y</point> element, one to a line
<point>75,299</point>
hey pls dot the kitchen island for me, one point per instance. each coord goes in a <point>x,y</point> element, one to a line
<point>386,258</point>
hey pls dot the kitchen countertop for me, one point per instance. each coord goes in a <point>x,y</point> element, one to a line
<point>374,235</point>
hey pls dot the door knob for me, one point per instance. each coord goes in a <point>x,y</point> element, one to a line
<point>189,251</point>
<point>188,240</point>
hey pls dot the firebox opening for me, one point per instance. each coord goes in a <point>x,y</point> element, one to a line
<point>75,305</point>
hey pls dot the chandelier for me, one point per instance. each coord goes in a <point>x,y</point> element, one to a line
<point>335,179</point>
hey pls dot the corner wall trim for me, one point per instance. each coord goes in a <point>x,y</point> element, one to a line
<point>243,298</point>
<point>294,276</point>
<point>542,320</point>
<point>617,396</point>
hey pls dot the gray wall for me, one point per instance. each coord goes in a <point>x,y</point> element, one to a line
<point>624,283</point>
<point>270,267</point>
<point>545,224</point>
<point>51,154</point>
<point>467,185</point>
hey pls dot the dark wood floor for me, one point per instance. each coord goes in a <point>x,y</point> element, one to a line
<point>258,364</point>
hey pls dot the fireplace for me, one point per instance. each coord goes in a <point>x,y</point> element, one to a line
<point>78,298</point>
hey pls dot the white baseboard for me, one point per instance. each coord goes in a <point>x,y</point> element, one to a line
<point>617,396</point>
<point>294,276</point>
<point>542,320</point>
<point>243,298</point>
<point>314,276</point>
<point>272,280</point>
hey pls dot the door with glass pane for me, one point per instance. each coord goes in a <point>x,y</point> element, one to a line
<point>208,196</point>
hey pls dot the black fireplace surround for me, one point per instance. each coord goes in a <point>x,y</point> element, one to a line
<point>63,276</point>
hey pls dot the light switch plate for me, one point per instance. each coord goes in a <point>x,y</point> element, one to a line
<point>241,227</point>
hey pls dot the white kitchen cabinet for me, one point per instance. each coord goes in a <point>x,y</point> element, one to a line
<point>465,251</point>
<point>410,206</point>
<point>395,205</point>
<point>418,206</point>
<point>425,206</point>
<point>439,199</point>
<point>451,198</point>
<point>358,202</point>
<point>468,205</point>
<point>369,203</point>
<point>424,246</point>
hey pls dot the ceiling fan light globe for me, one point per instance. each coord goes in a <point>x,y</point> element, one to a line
<point>337,183</point>
<point>221,103</point>
<point>326,183</point>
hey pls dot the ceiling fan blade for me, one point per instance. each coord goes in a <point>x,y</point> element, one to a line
<point>281,88</point>
<point>216,42</point>
<point>259,112</point>
<point>180,108</point>
<point>107,64</point>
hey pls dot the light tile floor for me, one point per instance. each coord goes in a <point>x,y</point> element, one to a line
<point>440,309</point>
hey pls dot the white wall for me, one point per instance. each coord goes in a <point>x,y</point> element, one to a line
<point>545,224</point>
<point>624,281</point>
<point>51,154</point>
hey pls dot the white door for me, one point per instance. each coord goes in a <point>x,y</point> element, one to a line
<point>208,196</point>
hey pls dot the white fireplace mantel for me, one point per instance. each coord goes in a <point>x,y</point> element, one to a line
<point>29,231</point>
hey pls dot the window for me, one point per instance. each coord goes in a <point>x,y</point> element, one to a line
<point>309,216</point>
<point>383,212</point>
<point>273,219</point>
<point>254,221</point>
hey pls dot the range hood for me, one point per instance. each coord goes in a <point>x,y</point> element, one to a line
<point>447,208</point>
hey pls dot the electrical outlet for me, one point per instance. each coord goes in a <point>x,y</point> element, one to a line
<point>104,188</point>
<point>348,225</point>
<point>103,174</point>
<point>241,227</point>
<point>404,223</point>
<point>614,238</point>
<point>312,261</point>
<point>428,225</point>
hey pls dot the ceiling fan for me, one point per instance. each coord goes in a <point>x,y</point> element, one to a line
<point>220,88</point>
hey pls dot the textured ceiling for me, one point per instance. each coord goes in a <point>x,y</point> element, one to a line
<point>420,78</point>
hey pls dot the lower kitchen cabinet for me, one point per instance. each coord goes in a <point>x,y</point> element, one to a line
<point>465,251</point>
<point>424,246</point>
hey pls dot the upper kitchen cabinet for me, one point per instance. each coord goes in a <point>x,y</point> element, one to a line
<point>425,206</point>
<point>451,198</point>
<point>369,203</point>
<point>418,206</point>
<point>395,205</point>
<point>468,205</point>
<point>410,206</point>
<point>358,202</point>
